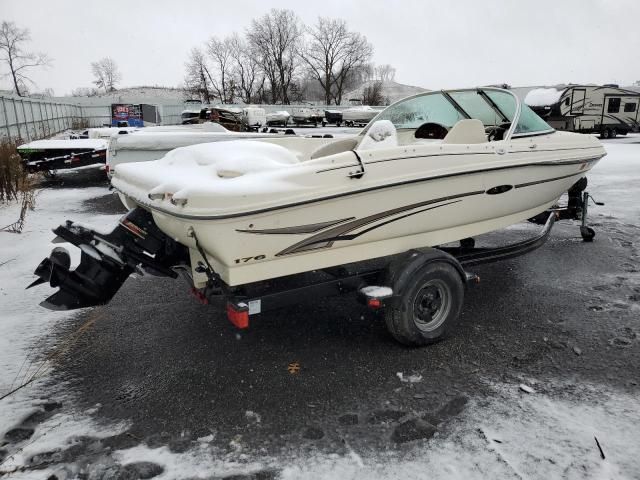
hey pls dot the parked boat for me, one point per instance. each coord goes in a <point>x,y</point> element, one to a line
<point>50,155</point>
<point>431,169</point>
<point>360,115</point>
<point>279,118</point>
<point>333,117</point>
<point>306,116</point>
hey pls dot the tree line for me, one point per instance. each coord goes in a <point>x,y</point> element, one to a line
<point>279,60</point>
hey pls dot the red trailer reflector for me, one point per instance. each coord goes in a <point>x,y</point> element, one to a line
<point>374,303</point>
<point>238,315</point>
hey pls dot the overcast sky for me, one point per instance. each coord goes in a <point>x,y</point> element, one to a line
<point>433,44</point>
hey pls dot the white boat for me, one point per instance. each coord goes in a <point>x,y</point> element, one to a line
<point>280,117</point>
<point>62,154</point>
<point>306,116</point>
<point>430,169</point>
<point>253,118</point>
<point>360,115</point>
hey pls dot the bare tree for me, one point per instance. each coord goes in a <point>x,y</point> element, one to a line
<point>245,68</point>
<point>197,78</point>
<point>274,37</point>
<point>358,52</point>
<point>385,73</point>
<point>324,50</point>
<point>106,73</point>
<point>220,74</point>
<point>12,40</point>
<point>372,94</point>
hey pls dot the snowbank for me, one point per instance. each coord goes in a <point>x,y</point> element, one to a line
<point>542,97</point>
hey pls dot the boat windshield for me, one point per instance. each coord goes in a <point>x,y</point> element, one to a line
<point>493,107</point>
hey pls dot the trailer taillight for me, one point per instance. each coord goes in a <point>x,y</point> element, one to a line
<point>374,303</point>
<point>238,314</point>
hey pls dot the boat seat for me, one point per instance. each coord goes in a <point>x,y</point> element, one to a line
<point>339,146</point>
<point>381,134</point>
<point>466,131</point>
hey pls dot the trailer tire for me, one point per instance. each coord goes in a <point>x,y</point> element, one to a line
<point>428,309</point>
<point>604,134</point>
<point>614,133</point>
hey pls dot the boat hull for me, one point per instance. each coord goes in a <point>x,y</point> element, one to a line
<point>373,224</point>
<point>336,210</point>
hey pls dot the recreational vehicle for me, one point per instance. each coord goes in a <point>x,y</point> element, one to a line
<point>607,110</point>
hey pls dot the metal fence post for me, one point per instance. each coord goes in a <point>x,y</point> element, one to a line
<point>56,116</point>
<point>26,124</point>
<point>15,110</point>
<point>33,120</point>
<point>42,127</point>
<point>46,113</point>
<point>60,122</point>
<point>6,118</point>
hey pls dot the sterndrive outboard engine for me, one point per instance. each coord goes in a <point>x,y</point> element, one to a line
<point>136,244</point>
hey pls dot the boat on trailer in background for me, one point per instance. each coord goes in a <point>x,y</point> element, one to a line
<point>431,169</point>
<point>51,155</point>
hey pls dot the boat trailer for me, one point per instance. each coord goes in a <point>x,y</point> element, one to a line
<point>421,291</point>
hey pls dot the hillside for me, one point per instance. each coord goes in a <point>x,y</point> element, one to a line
<point>152,95</point>
<point>393,91</point>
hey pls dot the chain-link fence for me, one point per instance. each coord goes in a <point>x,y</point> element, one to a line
<point>26,119</point>
<point>29,119</point>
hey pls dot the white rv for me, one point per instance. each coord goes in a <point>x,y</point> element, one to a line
<point>607,110</point>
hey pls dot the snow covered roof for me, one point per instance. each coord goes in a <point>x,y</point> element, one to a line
<point>542,97</point>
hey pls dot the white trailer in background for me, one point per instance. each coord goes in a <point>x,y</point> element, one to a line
<point>607,110</point>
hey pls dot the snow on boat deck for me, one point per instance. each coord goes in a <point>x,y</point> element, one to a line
<point>86,143</point>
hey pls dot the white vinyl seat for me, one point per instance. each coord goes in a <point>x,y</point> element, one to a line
<point>332,148</point>
<point>381,134</point>
<point>466,131</point>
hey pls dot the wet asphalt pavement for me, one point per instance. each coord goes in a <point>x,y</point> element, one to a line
<point>323,374</point>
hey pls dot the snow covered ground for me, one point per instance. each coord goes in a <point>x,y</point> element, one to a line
<point>549,433</point>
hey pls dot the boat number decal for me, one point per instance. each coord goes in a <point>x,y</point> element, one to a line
<point>499,189</point>
<point>249,259</point>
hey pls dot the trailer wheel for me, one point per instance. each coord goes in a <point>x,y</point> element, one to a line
<point>604,133</point>
<point>428,310</point>
<point>614,133</point>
